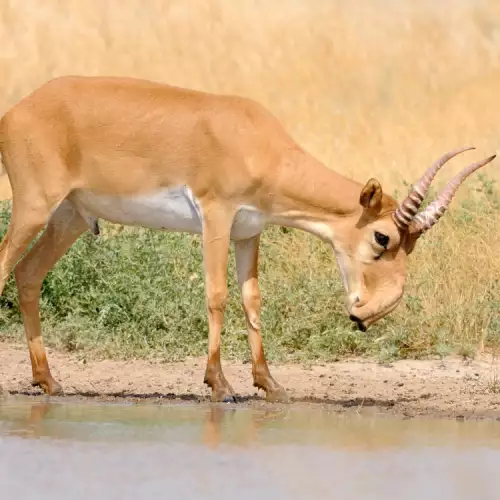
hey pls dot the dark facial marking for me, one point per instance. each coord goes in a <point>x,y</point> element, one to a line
<point>358,322</point>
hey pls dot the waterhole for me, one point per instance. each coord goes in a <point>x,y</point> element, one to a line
<point>82,449</point>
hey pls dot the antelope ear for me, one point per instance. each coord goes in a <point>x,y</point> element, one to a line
<point>371,195</point>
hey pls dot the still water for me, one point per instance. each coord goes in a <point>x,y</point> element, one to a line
<point>80,449</point>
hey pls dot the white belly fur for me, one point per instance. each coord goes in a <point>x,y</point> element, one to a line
<point>173,209</point>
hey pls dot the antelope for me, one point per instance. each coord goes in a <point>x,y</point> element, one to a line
<point>140,153</point>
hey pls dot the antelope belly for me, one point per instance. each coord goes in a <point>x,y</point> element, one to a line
<point>173,209</point>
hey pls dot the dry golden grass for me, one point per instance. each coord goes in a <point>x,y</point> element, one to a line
<point>372,88</point>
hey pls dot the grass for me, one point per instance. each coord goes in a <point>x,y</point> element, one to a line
<point>372,88</point>
<point>140,293</point>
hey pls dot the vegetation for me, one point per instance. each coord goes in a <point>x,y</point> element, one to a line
<point>370,91</point>
<point>141,293</point>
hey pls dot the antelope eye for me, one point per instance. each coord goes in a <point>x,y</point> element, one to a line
<point>381,239</point>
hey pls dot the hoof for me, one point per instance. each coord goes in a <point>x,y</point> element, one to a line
<point>277,395</point>
<point>49,386</point>
<point>223,396</point>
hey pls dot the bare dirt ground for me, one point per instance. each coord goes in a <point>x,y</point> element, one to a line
<point>451,388</point>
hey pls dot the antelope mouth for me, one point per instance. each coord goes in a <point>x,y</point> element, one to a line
<point>364,323</point>
<point>359,323</point>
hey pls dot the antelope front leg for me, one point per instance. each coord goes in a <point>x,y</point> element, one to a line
<point>247,256</point>
<point>216,238</point>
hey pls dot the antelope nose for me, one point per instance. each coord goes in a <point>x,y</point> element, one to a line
<point>358,321</point>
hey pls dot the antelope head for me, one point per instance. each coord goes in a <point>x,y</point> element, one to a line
<point>372,253</point>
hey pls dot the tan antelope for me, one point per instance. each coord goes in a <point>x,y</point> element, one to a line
<point>139,153</point>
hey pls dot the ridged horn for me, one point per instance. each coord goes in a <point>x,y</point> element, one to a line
<point>408,209</point>
<point>435,210</point>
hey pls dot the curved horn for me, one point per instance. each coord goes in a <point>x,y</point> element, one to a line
<point>407,210</point>
<point>435,210</point>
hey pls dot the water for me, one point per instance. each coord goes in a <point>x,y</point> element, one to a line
<point>80,449</point>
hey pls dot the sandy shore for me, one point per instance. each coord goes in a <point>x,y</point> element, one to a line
<point>451,387</point>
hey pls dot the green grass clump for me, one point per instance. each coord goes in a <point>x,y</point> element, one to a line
<point>140,293</point>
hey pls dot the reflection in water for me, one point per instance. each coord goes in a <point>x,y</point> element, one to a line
<point>244,426</point>
<point>219,418</point>
<point>213,424</point>
<point>32,424</point>
<point>34,420</point>
<point>105,451</point>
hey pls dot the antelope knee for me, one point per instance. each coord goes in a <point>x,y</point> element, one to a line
<point>217,300</point>
<point>251,304</point>
<point>251,299</point>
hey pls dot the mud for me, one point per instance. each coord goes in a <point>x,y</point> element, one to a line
<point>450,388</point>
